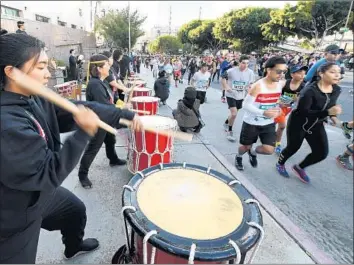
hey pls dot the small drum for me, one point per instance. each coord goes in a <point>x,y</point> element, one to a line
<point>142,92</point>
<point>138,83</point>
<point>150,104</point>
<point>147,149</point>
<point>65,89</point>
<point>182,213</point>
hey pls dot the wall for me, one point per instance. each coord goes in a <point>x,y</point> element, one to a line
<point>59,40</point>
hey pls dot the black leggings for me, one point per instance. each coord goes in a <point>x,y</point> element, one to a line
<point>316,137</point>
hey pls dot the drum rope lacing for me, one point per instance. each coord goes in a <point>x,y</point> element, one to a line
<point>172,127</point>
<point>153,251</point>
<point>144,108</point>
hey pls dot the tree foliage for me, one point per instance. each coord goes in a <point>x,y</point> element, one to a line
<point>183,32</point>
<point>203,36</point>
<point>165,44</point>
<point>114,27</point>
<point>242,28</point>
<point>310,19</point>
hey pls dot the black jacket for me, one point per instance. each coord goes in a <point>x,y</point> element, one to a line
<point>313,104</point>
<point>161,88</point>
<point>32,162</point>
<point>124,66</point>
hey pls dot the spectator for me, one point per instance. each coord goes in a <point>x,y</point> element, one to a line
<point>21,27</point>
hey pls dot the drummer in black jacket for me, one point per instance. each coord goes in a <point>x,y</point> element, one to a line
<point>99,91</point>
<point>33,164</point>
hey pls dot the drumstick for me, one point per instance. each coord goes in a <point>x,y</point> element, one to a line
<point>38,89</point>
<point>178,135</point>
<point>140,111</point>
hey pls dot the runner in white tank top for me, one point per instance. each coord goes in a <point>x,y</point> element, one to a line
<point>261,107</point>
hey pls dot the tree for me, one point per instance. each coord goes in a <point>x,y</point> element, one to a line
<point>204,37</point>
<point>241,28</point>
<point>313,20</point>
<point>114,27</point>
<point>183,33</point>
<point>165,44</point>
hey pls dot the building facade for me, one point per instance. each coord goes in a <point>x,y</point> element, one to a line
<point>61,31</point>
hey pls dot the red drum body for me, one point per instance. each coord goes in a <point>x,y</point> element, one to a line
<point>150,104</point>
<point>65,89</point>
<point>147,149</point>
<point>142,92</point>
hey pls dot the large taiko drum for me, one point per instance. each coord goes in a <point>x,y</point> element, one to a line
<point>150,104</point>
<point>137,83</point>
<point>147,149</point>
<point>180,213</point>
<point>142,92</point>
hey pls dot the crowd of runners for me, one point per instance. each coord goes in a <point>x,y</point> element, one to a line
<point>278,91</point>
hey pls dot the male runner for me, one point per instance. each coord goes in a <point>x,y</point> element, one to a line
<point>224,66</point>
<point>343,159</point>
<point>239,80</point>
<point>200,81</point>
<point>261,108</point>
<point>291,90</point>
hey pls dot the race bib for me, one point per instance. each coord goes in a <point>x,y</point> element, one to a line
<point>202,84</point>
<point>238,85</point>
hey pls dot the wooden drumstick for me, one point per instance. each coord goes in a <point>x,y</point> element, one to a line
<point>140,111</point>
<point>177,134</point>
<point>37,88</point>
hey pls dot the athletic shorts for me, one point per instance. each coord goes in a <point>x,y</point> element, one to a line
<point>250,134</point>
<point>234,103</point>
<point>282,117</point>
<point>201,96</point>
<point>177,75</point>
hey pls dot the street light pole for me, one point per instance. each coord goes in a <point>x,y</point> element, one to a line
<point>129,26</point>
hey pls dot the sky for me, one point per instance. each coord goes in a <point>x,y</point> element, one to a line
<point>157,12</point>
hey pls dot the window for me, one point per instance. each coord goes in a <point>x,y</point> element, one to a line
<point>42,19</point>
<point>8,11</point>
<point>61,23</point>
<point>80,12</point>
<point>73,26</point>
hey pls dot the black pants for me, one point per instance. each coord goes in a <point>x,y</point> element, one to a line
<point>316,137</point>
<point>216,73</point>
<point>190,75</point>
<point>93,148</point>
<point>64,212</point>
<point>151,66</point>
<point>138,68</point>
<point>201,96</point>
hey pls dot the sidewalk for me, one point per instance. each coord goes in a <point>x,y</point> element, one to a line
<point>103,204</point>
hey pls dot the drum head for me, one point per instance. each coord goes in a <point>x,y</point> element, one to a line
<point>141,89</point>
<point>188,204</point>
<point>144,99</point>
<point>158,122</point>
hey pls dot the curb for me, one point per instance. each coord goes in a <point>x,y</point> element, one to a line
<point>296,233</point>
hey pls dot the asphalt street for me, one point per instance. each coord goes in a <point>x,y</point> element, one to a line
<point>323,208</point>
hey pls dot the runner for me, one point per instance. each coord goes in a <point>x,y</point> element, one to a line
<point>224,65</point>
<point>200,81</point>
<point>177,67</point>
<point>291,90</point>
<point>239,80</point>
<point>316,102</point>
<point>343,159</point>
<point>261,108</point>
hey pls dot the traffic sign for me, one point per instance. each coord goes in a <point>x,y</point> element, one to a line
<point>343,29</point>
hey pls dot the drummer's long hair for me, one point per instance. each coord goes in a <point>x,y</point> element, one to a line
<point>17,49</point>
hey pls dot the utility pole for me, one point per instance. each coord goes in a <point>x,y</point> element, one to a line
<point>170,22</point>
<point>346,23</point>
<point>91,23</point>
<point>129,27</point>
<point>200,13</point>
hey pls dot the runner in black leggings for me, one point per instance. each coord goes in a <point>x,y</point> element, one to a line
<point>317,102</point>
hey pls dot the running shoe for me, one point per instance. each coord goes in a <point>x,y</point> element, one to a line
<point>344,162</point>
<point>230,136</point>
<point>278,150</point>
<point>253,159</point>
<point>238,163</point>
<point>301,174</point>
<point>282,170</point>
<point>346,130</point>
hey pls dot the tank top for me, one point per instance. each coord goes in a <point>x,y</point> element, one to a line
<point>266,99</point>
<point>292,93</point>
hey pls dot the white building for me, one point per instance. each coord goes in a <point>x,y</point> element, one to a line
<point>72,14</point>
<point>158,30</point>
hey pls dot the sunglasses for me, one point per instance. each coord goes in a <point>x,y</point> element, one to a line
<point>334,52</point>
<point>279,72</point>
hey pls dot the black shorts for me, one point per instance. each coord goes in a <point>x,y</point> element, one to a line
<point>234,103</point>
<point>201,96</point>
<point>250,133</point>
